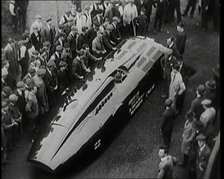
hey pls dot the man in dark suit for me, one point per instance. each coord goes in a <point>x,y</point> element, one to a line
<point>72,40</point>
<point>21,103</point>
<point>115,33</point>
<point>78,67</point>
<point>36,38</point>
<point>51,83</point>
<point>196,106</point>
<point>56,57</point>
<point>172,45</point>
<point>181,38</point>
<point>175,6</point>
<point>204,13</point>
<point>83,38</point>
<point>202,155</point>
<point>48,32</point>
<point>167,122</point>
<point>62,77</point>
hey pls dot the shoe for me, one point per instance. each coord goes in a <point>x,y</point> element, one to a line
<point>181,165</point>
<point>163,96</point>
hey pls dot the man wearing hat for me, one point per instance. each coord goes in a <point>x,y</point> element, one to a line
<point>98,18</point>
<point>188,136</point>
<point>31,73</point>
<point>115,33</point>
<point>32,108</point>
<point>48,32</point>
<point>24,57</point>
<point>16,116</point>
<point>167,122</point>
<point>172,45</point>
<point>210,90</point>
<point>51,83</point>
<point>41,94</point>
<point>56,57</point>
<point>65,17</point>
<point>78,66</point>
<point>207,118</point>
<point>181,38</point>
<point>160,10</point>
<point>106,39</point>
<point>82,38</point>
<point>62,77</point>
<point>21,102</point>
<point>6,92</point>
<point>37,24</point>
<point>36,38</point>
<point>13,9</point>
<point>59,40</point>
<point>166,164</point>
<point>72,40</point>
<point>196,106</point>
<point>202,155</point>
<point>130,12</point>
<point>11,56</point>
<point>176,88</point>
<point>141,23</point>
<point>8,123</point>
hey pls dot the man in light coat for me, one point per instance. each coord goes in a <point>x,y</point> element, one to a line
<point>177,86</point>
<point>130,12</point>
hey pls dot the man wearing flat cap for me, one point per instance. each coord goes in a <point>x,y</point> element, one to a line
<point>31,73</point>
<point>82,38</point>
<point>196,106</point>
<point>16,116</point>
<point>56,57</point>
<point>37,23</point>
<point>48,32</point>
<point>12,57</point>
<point>65,17</point>
<point>41,91</point>
<point>210,90</point>
<point>51,83</point>
<point>207,118</point>
<point>202,156</point>
<point>72,40</point>
<point>21,102</point>
<point>188,136</point>
<point>32,108</point>
<point>115,33</point>
<point>167,122</point>
<point>24,57</point>
<point>62,77</point>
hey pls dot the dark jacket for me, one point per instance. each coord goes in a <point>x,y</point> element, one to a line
<point>77,69</point>
<point>36,43</point>
<point>82,39</point>
<point>181,38</point>
<point>168,117</point>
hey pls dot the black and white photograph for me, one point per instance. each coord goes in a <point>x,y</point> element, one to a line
<point>110,89</point>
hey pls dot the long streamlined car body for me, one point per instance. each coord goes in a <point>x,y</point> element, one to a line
<point>115,89</point>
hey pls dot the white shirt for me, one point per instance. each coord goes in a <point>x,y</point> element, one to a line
<point>130,12</point>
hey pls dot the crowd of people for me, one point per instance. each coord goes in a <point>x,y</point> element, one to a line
<point>39,68</point>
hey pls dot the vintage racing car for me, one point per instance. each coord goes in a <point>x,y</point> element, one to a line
<point>115,90</point>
